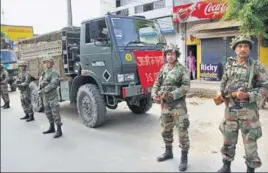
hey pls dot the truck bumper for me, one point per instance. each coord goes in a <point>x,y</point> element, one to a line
<point>134,91</point>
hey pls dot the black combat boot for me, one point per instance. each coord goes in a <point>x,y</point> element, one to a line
<point>6,106</point>
<point>168,154</point>
<point>59,132</point>
<point>226,166</point>
<point>31,118</point>
<point>250,170</point>
<point>25,117</point>
<point>51,129</point>
<point>184,160</point>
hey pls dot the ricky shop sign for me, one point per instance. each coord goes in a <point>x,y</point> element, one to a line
<point>200,10</point>
<point>210,72</point>
<point>149,64</point>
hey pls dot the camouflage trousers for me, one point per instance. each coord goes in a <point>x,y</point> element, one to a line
<point>248,121</point>
<point>4,92</point>
<point>26,104</point>
<point>52,108</point>
<point>175,117</point>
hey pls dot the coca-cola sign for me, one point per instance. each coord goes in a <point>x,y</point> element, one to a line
<point>198,11</point>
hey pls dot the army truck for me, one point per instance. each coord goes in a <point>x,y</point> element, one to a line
<point>102,63</point>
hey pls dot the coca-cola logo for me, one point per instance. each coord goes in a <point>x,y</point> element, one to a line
<point>215,8</point>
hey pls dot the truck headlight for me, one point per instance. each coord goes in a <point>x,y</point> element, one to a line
<point>125,77</point>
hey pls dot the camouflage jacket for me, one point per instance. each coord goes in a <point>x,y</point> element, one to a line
<point>237,76</point>
<point>175,81</point>
<point>49,82</point>
<point>4,77</point>
<point>23,80</point>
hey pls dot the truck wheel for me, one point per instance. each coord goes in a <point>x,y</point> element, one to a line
<point>145,105</point>
<point>36,100</point>
<point>91,106</point>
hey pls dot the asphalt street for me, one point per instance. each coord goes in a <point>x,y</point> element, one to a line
<point>127,142</point>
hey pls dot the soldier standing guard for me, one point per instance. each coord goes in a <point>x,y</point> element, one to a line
<point>4,87</point>
<point>48,84</point>
<point>23,82</point>
<point>242,77</point>
<point>170,90</point>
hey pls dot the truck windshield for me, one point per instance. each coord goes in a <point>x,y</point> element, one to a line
<point>8,56</point>
<point>136,32</point>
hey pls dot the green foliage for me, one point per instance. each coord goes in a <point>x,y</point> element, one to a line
<point>253,15</point>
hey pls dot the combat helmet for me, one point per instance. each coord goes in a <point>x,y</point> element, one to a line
<point>22,63</point>
<point>48,58</point>
<point>241,39</point>
<point>172,48</point>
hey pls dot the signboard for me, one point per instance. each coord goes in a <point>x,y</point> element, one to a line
<point>17,33</point>
<point>149,64</point>
<point>208,9</point>
<point>210,72</point>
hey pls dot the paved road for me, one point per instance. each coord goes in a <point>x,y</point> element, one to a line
<point>127,142</point>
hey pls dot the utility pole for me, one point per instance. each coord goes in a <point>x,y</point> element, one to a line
<point>69,12</point>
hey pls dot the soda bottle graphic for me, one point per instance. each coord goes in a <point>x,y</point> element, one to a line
<point>184,13</point>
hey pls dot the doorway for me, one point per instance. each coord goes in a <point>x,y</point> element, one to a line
<point>191,62</point>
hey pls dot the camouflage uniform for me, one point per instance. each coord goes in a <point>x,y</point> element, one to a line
<point>240,114</point>
<point>23,82</point>
<point>48,83</point>
<point>4,87</point>
<point>175,83</point>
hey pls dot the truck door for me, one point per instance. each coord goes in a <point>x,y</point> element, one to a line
<point>97,52</point>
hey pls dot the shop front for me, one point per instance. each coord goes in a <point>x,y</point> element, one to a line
<point>209,38</point>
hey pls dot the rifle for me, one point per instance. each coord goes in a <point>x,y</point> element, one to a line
<point>237,86</point>
<point>41,84</point>
<point>225,95</point>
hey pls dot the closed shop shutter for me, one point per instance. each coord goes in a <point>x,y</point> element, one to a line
<point>213,50</point>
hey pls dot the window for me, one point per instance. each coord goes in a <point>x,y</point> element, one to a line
<point>159,4</point>
<point>117,3</point>
<point>148,7</point>
<point>96,31</point>
<point>122,12</point>
<point>139,9</point>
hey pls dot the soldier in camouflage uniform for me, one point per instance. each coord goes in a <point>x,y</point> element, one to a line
<point>4,87</point>
<point>48,84</point>
<point>242,76</point>
<point>23,82</point>
<point>170,90</point>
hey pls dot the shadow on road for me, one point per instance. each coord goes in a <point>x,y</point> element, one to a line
<point>116,119</point>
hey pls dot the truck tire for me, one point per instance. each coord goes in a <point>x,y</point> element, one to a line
<point>36,100</point>
<point>145,105</point>
<point>91,106</point>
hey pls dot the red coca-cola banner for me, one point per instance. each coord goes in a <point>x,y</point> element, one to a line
<point>149,64</point>
<point>200,10</point>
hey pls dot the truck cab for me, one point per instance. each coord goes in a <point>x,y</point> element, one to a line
<point>9,60</point>
<point>119,60</point>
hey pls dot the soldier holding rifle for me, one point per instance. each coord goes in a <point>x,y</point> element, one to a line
<point>170,90</point>
<point>239,90</point>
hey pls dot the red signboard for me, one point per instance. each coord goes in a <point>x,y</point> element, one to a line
<point>149,64</point>
<point>200,10</point>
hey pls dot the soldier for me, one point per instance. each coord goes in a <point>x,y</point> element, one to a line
<point>170,90</point>
<point>48,85</point>
<point>4,87</point>
<point>23,82</point>
<point>242,78</point>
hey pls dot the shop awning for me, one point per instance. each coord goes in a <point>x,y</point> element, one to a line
<point>212,26</point>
